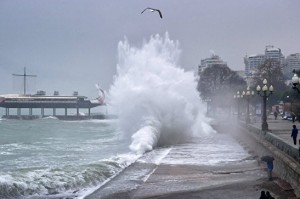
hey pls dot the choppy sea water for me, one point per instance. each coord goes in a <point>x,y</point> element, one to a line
<point>50,156</point>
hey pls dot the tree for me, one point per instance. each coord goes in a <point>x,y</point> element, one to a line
<point>271,70</point>
<point>219,83</point>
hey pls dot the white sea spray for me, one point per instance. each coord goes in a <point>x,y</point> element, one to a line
<point>156,100</point>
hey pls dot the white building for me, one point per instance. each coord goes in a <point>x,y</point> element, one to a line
<point>274,54</point>
<point>254,61</point>
<point>213,60</point>
<point>292,62</point>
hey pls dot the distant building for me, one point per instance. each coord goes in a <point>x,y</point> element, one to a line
<point>274,54</point>
<point>292,62</point>
<point>213,60</point>
<point>254,61</point>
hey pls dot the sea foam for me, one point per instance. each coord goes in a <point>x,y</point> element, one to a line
<point>156,100</point>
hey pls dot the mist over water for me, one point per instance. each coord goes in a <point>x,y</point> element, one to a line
<point>156,100</point>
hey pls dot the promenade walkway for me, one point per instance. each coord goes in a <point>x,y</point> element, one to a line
<point>280,144</point>
<point>239,180</point>
<point>281,128</point>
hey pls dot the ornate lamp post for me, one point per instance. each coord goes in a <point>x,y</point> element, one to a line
<point>264,92</point>
<point>284,104</point>
<point>247,95</point>
<point>296,82</point>
<point>238,97</point>
<point>207,100</point>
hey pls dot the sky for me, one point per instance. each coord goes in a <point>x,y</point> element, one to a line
<point>72,44</point>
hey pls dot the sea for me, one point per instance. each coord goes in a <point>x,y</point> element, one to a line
<point>53,157</point>
<point>159,110</point>
<point>50,158</point>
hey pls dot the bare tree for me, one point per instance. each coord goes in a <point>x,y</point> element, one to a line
<point>271,70</point>
<point>219,83</point>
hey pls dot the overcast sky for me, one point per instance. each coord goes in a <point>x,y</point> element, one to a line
<point>72,44</point>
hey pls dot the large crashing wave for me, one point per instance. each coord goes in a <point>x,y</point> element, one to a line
<point>156,100</point>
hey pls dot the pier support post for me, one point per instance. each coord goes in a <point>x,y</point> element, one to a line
<point>77,112</point>
<point>30,111</point>
<point>7,111</point>
<point>54,111</point>
<point>18,111</point>
<point>89,112</point>
<point>66,111</point>
<point>42,112</point>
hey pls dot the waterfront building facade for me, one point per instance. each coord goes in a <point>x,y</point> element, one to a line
<point>254,61</point>
<point>211,61</point>
<point>292,62</point>
<point>274,54</point>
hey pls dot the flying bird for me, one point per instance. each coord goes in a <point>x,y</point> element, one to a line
<point>153,10</point>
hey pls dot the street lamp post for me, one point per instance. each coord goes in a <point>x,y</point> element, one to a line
<point>284,103</point>
<point>296,82</point>
<point>238,97</point>
<point>264,92</point>
<point>207,100</point>
<point>247,95</point>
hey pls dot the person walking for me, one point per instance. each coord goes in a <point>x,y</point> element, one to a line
<point>263,195</point>
<point>269,160</point>
<point>293,117</point>
<point>270,169</point>
<point>275,115</point>
<point>294,134</point>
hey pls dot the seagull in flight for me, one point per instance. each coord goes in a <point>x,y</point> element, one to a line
<point>153,10</point>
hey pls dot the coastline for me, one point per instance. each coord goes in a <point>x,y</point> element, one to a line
<point>239,180</point>
<point>186,181</point>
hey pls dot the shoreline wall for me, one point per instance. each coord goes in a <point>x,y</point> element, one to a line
<point>286,157</point>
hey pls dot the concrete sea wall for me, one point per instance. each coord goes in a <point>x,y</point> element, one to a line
<point>286,163</point>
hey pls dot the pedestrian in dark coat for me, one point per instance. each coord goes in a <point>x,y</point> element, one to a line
<point>294,134</point>
<point>270,169</point>
<point>275,115</point>
<point>293,117</point>
<point>263,195</point>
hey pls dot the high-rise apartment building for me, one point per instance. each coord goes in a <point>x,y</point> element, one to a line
<point>254,61</point>
<point>274,54</point>
<point>213,60</point>
<point>292,62</point>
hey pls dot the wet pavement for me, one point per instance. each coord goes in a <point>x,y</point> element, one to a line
<point>280,128</point>
<point>243,179</point>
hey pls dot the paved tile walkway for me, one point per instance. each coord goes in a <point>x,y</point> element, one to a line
<point>280,128</point>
